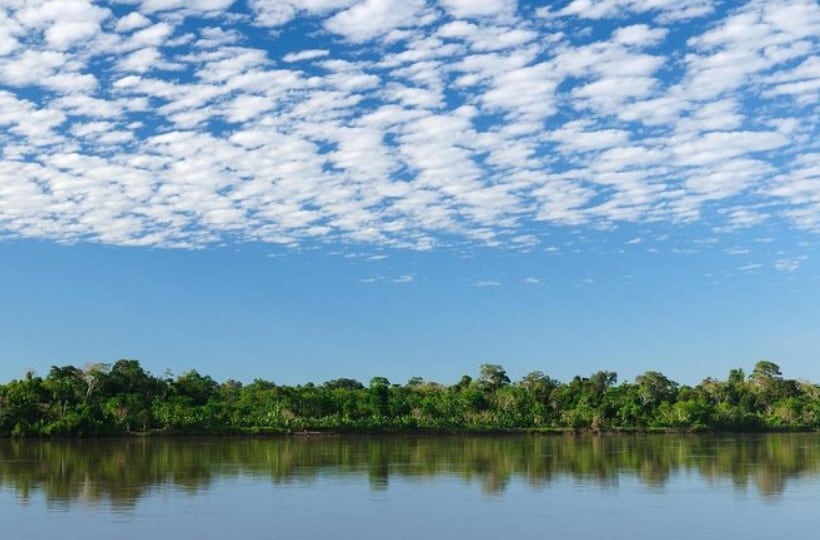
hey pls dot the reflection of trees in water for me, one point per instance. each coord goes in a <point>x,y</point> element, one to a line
<point>764,462</point>
<point>118,472</point>
<point>121,471</point>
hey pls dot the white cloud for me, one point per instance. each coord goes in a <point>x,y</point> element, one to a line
<point>480,8</point>
<point>64,34</point>
<point>10,29</point>
<point>151,36</point>
<point>64,23</point>
<point>309,54</point>
<point>668,9</point>
<point>275,13</point>
<point>639,35</point>
<point>485,283</point>
<point>133,21</point>
<point>142,60</point>
<point>718,146</point>
<point>404,123</point>
<point>151,6</point>
<point>372,18</point>
<point>789,264</point>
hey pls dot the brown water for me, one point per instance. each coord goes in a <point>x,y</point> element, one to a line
<point>413,487</point>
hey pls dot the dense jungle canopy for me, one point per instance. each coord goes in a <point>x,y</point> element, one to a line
<point>123,398</point>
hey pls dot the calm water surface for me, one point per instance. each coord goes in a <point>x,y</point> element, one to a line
<point>635,487</point>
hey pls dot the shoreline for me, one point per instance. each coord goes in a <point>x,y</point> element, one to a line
<point>387,433</point>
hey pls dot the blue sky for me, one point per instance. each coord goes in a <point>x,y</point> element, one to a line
<point>306,189</point>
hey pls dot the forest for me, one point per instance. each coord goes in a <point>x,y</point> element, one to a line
<point>122,398</point>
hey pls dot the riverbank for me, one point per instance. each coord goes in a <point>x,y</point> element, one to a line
<point>264,433</point>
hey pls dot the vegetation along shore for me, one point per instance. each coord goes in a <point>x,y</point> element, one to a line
<point>122,398</point>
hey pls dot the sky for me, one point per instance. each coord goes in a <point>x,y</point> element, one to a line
<point>299,190</point>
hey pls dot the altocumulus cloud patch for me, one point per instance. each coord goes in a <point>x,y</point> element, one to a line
<point>403,123</point>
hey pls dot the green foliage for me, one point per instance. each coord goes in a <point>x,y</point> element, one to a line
<point>104,399</point>
<point>493,376</point>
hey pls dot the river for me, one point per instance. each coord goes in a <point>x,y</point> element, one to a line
<point>472,487</point>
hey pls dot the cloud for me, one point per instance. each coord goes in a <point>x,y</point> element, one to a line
<point>274,13</point>
<point>406,278</point>
<point>667,9</point>
<point>789,264</point>
<point>639,35</point>
<point>404,124</point>
<point>485,283</point>
<point>371,18</point>
<point>479,8</point>
<point>201,6</point>
<point>308,54</point>
<point>133,21</point>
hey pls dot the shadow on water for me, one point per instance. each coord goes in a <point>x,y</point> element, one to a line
<point>120,472</point>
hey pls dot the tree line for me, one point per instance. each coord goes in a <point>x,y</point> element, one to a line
<point>122,398</point>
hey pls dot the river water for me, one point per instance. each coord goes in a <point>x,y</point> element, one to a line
<point>579,487</point>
